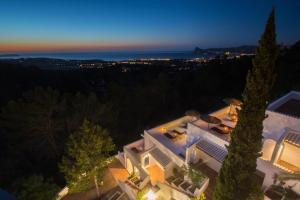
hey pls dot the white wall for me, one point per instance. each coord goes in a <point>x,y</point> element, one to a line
<point>169,170</point>
<point>291,95</point>
<point>129,166</point>
<point>125,188</point>
<point>62,193</point>
<point>208,160</point>
<point>198,192</point>
<point>150,141</point>
<point>291,154</point>
<point>276,123</point>
<point>269,169</point>
<point>268,148</point>
<point>151,160</point>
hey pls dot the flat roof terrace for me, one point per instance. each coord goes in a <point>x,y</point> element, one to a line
<point>173,135</point>
<point>221,130</point>
<point>291,107</point>
<point>288,104</point>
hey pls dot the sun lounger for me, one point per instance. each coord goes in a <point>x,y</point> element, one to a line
<point>168,135</point>
<point>183,125</point>
<point>218,130</point>
<point>224,125</point>
<point>180,130</point>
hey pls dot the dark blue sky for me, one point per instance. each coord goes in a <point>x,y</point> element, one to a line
<point>61,25</point>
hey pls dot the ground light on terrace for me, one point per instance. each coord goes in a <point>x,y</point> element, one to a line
<point>150,195</point>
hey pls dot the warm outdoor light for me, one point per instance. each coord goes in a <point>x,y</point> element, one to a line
<point>150,195</point>
<point>163,129</point>
<point>226,129</point>
<point>234,118</point>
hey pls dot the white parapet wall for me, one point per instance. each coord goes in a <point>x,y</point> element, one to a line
<point>276,124</point>
<point>126,188</point>
<point>167,192</point>
<point>195,134</point>
<point>62,193</point>
<point>204,186</point>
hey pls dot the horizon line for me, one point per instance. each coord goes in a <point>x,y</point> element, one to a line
<point>113,49</point>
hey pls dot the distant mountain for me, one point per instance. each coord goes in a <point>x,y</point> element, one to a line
<point>239,49</point>
<point>9,55</point>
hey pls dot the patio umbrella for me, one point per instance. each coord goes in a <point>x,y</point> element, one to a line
<point>192,113</point>
<point>232,102</point>
<point>210,119</point>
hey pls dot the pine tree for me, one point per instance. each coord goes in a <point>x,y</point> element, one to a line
<point>88,151</point>
<point>237,178</point>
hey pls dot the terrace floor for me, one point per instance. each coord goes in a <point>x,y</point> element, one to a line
<point>178,144</point>
<point>291,107</point>
<point>118,171</point>
<point>156,174</point>
<point>226,122</point>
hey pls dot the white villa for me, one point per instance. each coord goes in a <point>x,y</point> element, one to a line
<point>189,141</point>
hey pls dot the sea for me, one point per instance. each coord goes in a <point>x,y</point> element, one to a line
<point>109,56</point>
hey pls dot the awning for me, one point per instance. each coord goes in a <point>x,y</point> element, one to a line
<point>213,150</point>
<point>233,101</point>
<point>293,138</point>
<point>160,157</point>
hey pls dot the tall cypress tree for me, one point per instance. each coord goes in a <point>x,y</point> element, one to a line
<point>237,179</point>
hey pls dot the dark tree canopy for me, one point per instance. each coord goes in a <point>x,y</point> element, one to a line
<point>87,154</point>
<point>237,179</point>
<point>35,118</point>
<point>36,126</point>
<point>35,188</point>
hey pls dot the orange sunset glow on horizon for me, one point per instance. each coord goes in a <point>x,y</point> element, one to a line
<point>57,46</point>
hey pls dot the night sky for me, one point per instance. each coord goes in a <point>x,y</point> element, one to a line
<point>90,25</point>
